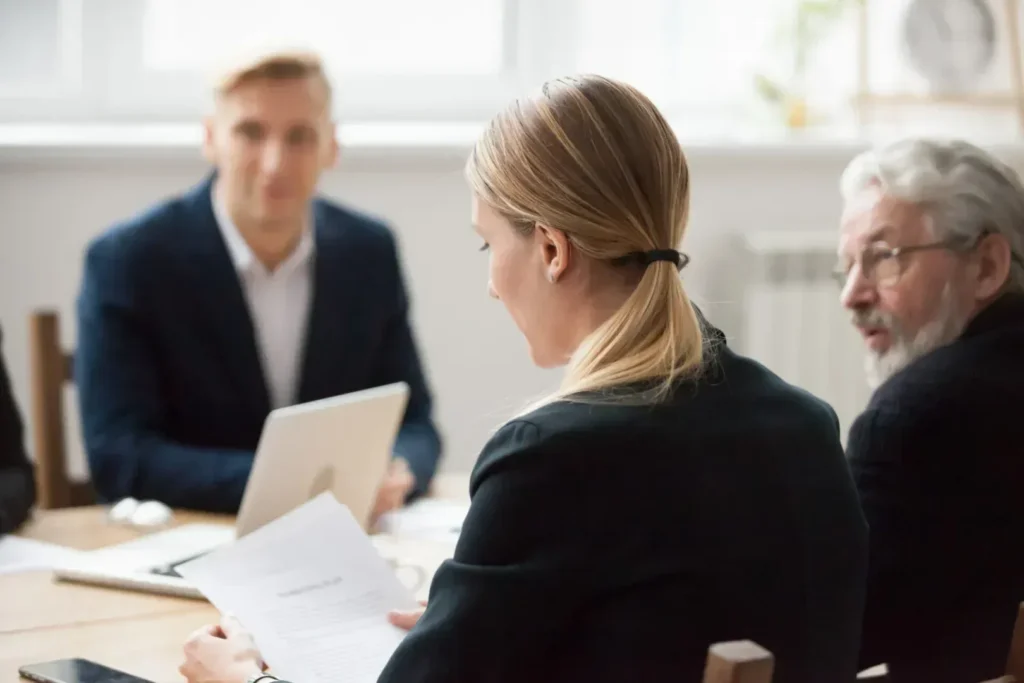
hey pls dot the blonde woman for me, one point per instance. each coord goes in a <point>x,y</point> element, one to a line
<point>672,493</point>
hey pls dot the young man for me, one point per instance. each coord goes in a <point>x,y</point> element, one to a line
<point>932,271</point>
<point>203,313</point>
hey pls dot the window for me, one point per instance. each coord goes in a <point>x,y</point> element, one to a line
<point>435,38</point>
<point>699,59</point>
<point>404,60</point>
<point>391,59</point>
<point>700,52</point>
<point>40,47</point>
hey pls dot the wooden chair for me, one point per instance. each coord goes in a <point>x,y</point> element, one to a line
<point>741,661</point>
<point>747,662</point>
<point>51,369</point>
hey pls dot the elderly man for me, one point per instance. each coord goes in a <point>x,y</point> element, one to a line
<point>932,273</point>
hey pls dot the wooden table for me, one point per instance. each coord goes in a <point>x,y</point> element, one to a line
<point>140,633</point>
<point>41,619</point>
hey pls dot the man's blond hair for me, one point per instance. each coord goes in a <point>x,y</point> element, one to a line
<point>280,65</point>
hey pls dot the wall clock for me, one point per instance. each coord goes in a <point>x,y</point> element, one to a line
<point>950,43</point>
<point>966,52</point>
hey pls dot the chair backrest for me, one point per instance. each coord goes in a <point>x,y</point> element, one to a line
<point>740,661</point>
<point>51,369</point>
<point>744,661</point>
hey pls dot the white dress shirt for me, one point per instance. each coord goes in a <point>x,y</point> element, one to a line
<point>278,305</point>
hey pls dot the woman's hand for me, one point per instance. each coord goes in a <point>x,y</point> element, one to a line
<point>407,620</point>
<point>223,653</point>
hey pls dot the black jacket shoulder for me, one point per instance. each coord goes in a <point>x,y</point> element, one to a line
<point>618,539</point>
<point>936,458</point>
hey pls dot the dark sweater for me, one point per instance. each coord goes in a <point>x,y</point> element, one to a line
<point>617,542</point>
<point>938,458</point>
<point>17,481</point>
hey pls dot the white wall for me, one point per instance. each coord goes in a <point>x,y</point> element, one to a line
<point>52,204</point>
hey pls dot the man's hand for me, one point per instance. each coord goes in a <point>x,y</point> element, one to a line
<point>221,653</point>
<point>397,484</point>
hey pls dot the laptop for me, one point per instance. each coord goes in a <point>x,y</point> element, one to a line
<point>341,444</point>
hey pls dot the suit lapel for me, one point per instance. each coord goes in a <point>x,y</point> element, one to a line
<point>221,302</point>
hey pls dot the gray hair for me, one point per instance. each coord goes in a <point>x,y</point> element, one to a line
<point>964,190</point>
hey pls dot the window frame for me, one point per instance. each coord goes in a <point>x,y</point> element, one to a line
<point>66,91</point>
<point>103,79</point>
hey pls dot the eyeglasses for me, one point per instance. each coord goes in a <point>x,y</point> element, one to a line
<point>883,265</point>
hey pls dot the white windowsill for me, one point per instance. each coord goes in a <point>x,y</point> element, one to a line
<point>30,142</point>
<point>396,141</point>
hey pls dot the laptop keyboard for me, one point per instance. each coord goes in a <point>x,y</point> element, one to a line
<point>172,568</point>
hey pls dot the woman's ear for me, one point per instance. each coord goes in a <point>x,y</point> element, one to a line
<point>555,251</point>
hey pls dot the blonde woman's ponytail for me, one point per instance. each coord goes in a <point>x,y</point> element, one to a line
<point>594,158</point>
<point>654,338</point>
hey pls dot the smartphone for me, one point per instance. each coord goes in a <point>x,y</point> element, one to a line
<point>76,671</point>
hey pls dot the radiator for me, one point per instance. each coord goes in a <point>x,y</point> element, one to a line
<point>794,324</point>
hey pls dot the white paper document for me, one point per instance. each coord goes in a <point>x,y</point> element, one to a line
<point>312,590</point>
<point>25,554</point>
<point>168,545</point>
<point>426,519</point>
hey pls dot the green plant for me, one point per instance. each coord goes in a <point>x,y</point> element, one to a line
<point>813,20</point>
<point>801,32</point>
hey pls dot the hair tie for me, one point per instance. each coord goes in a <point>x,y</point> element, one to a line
<point>646,258</point>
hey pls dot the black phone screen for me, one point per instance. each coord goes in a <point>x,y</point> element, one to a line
<point>76,671</point>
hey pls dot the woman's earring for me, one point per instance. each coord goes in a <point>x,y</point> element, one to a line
<point>551,277</point>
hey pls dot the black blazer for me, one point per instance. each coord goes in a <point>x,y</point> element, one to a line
<point>617,542</point>
<point>17,477</point>
<point>170,381</point>
<point>938,458</point>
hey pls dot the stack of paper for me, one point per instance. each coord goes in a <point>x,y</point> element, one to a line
<point>167,545</point>
<point>312,590</point>
<point>427,520</point>
<point>24,555</point>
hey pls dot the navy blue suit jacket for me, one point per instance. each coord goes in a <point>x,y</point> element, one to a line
<point>172,391</point>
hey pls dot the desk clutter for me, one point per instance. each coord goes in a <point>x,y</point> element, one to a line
<point>95,619</point>
<point>312,590</point>
<point>26,555</point>
<point>56,558</point>
<point>428,519</point>
<point>413,541</point>
<point>145,514</point>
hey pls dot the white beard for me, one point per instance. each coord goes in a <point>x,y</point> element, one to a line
<point>948,324</point>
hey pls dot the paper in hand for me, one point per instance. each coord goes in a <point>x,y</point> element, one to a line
<point>313,592</point>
